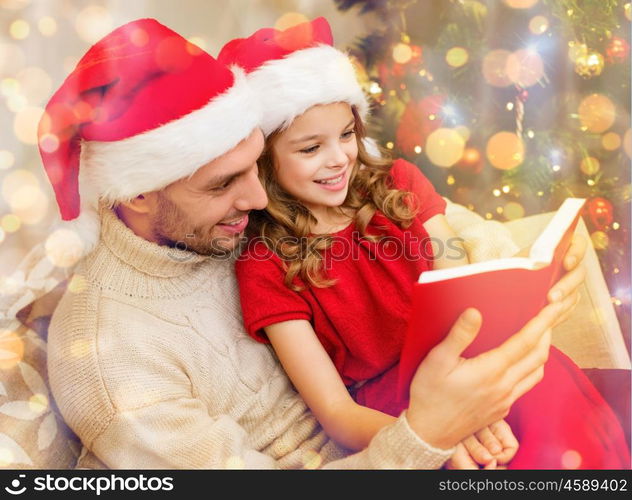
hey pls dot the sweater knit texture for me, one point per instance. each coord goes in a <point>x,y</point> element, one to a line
<point>151,367</point>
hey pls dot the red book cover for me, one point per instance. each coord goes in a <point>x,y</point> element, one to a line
<point>507,292</point>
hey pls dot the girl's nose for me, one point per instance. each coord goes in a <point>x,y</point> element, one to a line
<point>337,157</point>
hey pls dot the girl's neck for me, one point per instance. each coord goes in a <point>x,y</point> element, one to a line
<point>331,219</point>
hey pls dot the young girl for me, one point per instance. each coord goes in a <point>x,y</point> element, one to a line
<point>327,275</point>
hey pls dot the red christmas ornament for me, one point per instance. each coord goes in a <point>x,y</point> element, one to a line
<point>599,211</point>
<point>471,161</point>
<point>419,119</point>
<point>617,50</point>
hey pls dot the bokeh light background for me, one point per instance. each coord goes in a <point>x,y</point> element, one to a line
<point>471,105</point>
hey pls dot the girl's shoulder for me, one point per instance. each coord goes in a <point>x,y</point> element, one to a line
<point>409,177</point>
<point>256,254</point>
<point>404,173</point>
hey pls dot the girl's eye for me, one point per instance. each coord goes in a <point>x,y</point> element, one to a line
<point>311,149</point>
<point>348,134</point>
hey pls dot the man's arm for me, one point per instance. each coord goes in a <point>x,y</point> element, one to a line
<point>180,433</point>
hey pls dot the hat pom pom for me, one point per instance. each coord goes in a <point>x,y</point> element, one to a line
<point>72,240</point>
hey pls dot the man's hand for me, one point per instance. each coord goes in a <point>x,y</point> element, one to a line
<point>492,448</point>
<point>566,287</point>
<point>451,397</point>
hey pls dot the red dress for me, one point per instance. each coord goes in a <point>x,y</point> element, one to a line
<point>361,321</point>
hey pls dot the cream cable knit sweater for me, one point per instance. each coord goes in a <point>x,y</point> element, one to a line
<point>150,366</point>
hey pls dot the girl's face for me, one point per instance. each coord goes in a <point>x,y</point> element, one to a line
<point>314,157</point>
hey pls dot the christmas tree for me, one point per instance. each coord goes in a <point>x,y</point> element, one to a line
<point>510,107</point>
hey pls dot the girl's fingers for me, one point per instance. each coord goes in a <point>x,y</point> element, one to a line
<point>461,459</point>
<point>492,465</point>
<point>490,441</point>
<point>503,433</point>
<point>477,451</point>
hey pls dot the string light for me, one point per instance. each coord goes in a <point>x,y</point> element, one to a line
<point>19,29</point>
<point>10,223</point>
<point>6,159</point>
<point>47,26</point>
<point>375,88</point>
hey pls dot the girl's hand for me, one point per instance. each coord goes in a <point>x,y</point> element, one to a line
<point>492,447</point>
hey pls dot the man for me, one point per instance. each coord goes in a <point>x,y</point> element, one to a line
<point>149,364</point>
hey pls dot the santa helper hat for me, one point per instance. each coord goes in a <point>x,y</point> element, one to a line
<point>142,109</point>
<point>295,69</point>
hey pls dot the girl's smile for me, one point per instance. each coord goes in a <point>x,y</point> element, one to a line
<point>335,183</point>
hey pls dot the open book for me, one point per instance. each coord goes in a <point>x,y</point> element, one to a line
<point>507,292</point>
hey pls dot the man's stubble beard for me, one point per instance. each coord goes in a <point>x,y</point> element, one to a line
<point>172,228</point>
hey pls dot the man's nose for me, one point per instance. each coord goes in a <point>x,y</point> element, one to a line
<point>252,196</point>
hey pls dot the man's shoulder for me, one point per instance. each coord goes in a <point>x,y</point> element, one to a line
<point>89,307</point>
<point>107,355</point>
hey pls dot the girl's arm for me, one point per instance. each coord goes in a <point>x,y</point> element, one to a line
<point>447,247</point>
<point>315,377</point>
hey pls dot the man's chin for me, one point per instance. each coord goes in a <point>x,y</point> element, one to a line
<point>223,246</point>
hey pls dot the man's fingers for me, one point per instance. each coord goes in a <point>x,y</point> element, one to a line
<point>530,363</point>
<point>573,300</point>
<point>521,344</point>
<point>461,335</point>
<point>575,253</point>
<point>527,383</point>
<point>567,284</point>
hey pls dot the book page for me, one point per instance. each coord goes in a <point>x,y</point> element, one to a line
<point>544,246</point>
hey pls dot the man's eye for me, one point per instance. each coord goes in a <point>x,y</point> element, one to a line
<point>220,188</point>
<point>311,149</point>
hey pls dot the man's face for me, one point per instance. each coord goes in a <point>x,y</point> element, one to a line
<point>208,212</point>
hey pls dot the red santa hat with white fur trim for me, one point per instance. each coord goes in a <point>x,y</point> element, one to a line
<point>293,70</point>
<point>142,109</point>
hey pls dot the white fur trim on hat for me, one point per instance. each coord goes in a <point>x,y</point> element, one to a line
<point>290,86</point>
<point>121,170</point>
